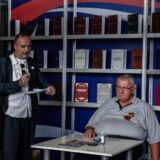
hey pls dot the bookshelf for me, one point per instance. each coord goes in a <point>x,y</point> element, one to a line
<point>145,73</point>
<point>72,73</point>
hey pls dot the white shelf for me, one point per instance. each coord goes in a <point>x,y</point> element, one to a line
<point>51,70</point>
<point>83,104</point>
<point>106,36</point>
<point>51,37</point>
<point>68,104</point>
<point>78,104</point>
<point>98,36</point>
<point>6,38</point>
<point>49,103</point>
<point>153,71</point>
<point>131,71</point>
<point>153,35</point>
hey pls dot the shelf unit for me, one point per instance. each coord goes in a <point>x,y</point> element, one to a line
<point>146,38</point>
<point>144,72</point>
<point>74,72</point>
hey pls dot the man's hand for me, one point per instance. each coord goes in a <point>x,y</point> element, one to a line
<point>89,133</point>
<point>51,90</point>
<point>24,80</point>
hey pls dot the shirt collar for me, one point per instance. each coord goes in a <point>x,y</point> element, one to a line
<point>16,60</point>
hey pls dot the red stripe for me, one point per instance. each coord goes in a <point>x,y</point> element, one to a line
<point>35,8</point>
<point>157,4</point>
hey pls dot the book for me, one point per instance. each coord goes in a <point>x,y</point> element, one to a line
<point>81,59</point>
<point>118,58</point>
<point>155,22</point>
<point>56,26</point>
<point>80,25</point>
<point>15,27</point>
<point>58,95</point>
<point>158,95</point>
<point>99,58</point>
<point>45,59</point>
<point>3,28</point>
<point>56,61</point>
<point>42,58</point>
<point>81,92</point>
<point>40,28</point>
<point>114,24</point>
<point>97,25</point>
<point>134,23</point>
<point>46,26</point>
<point>104,92</point>
<point>30,28</point>
<point>137,58</point>
<point>60,59</point>
<point>157,59</point>
<point>74,143</point>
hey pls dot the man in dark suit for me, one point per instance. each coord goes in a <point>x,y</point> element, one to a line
<point>20,76</point>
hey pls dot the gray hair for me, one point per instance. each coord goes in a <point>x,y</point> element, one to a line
<point>126,77</point>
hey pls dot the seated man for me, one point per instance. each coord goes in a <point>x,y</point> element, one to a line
<point>130,110</point>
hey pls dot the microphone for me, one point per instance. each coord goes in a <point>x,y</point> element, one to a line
<point>23,69</point>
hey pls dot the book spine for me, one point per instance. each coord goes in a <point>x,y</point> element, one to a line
<point>45,59</point>
<point>158,95</point>
<point>87,26</point>
<point>103,25</point>
<point>119,24</point>
<point>87,59</point>
<point>46,26</point>
<point>140,22</point>
<point>104,56</point>
<point>60,59</point>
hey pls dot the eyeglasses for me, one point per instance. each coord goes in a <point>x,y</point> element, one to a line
<point>125,89</point>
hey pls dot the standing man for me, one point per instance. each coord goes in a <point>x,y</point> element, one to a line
<point>21,75</point>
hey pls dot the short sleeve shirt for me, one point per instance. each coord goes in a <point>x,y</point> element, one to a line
<point>143,115</point>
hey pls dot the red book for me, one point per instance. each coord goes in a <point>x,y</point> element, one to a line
<point>158,95</point>
<point>156,22</point>
<point>96,24</point>
<point>97,58</point>
<point>137,58</point>
<point>58,95</point>
<point>81,92</point>
<point>112,24</point>
<point>56,26</point>
<point>79,25</point>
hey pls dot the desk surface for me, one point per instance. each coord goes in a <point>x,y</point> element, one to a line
<point>113,146</point>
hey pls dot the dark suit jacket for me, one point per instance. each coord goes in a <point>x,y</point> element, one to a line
<point>7,86</point>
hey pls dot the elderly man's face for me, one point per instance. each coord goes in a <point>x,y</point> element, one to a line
<point>125,90</point>
<point>22,47</point>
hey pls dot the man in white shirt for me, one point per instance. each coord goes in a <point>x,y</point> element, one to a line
<point>136,117</point>
<point>21,75</point>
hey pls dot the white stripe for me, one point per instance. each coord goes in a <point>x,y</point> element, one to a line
<point>95,11</point>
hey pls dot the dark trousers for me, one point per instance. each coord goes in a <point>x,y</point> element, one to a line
<point>18,137</point>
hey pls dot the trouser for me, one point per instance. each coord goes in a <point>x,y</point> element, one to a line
<point>18,136</point>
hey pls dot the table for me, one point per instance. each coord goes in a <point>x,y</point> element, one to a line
<point>112,147</point>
